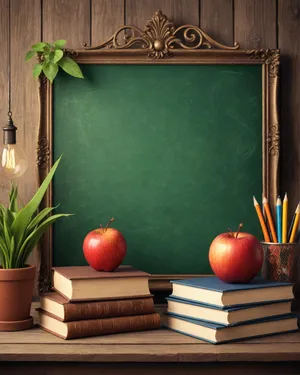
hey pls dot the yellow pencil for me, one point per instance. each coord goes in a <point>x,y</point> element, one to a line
<point>295,226</point>
<point>285,219</point>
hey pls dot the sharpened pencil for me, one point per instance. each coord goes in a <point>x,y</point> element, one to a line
<point>292,224</point>
<point>279,219</point>
<point>261,221</point>
<point>285,219</point>
<point>295,225</point>
<point>269,219</point>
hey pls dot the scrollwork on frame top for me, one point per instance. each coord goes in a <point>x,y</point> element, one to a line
<point>270,57</point>
<point>160,36</point>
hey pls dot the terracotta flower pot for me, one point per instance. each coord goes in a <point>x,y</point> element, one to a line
<point>16,290</point>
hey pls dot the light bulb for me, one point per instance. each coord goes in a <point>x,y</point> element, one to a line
<point>13,161</point>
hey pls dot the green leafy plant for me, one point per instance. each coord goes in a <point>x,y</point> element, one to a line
<point>51,57</point>
<point>21,229</point>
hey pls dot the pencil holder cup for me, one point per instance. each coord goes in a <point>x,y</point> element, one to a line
<point>282,263</point>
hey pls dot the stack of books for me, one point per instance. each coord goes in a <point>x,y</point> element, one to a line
<point>89,303</point>
<point>217,312</point>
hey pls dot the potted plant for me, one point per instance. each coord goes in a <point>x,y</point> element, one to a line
<point>20,231</point>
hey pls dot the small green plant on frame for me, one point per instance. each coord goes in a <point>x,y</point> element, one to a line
<point>21,229</point>
<point>51,57</point>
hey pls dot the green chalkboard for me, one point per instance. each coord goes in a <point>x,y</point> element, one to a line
<point>173,152</point>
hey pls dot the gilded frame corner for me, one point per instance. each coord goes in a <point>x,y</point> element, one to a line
<point>160,42</point>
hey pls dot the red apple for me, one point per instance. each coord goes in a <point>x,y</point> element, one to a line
<point>236,257</point>
<point>104,248</point>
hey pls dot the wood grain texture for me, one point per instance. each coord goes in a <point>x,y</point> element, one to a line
<point>25,15</point>
<point>158,352</point>
<point>4,4</point>
<point>108,353</point>
<point>179,11</point>
<point>107,18</point>
<point>255,23</point>
<point>67,19</point>
<point>216,19</point>
<point>289,44</point>
<point>25,106</point>
<point>162,336</point>
<point>36,335</point>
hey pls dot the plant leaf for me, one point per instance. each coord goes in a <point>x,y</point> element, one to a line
<point>2,260</point>
<point>29,55</point>
<point>2,212</point>
<point>39,47</point>
<point>37,70</point>
<point>50,56</point>
<point>50,69</point>
<point>46,56</point>
<point>7,233</point>
<point>12,252</point>
<point>39,217</point>
<point>5,253</point>
<point>70,67</point>
<point>58,54</point>
<point>13,195</point>
<point>60,43</point>
<point>24,216</point>
<point>9,218</point>
<point>34,237</point>
<point>47,49</point>
<point>11,192</point>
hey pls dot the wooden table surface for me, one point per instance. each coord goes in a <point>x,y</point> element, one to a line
<point>159,346</point>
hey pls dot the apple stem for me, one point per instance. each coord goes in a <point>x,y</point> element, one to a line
<point>238,231</point>
<point>110,221</point>
<point>230,231</point>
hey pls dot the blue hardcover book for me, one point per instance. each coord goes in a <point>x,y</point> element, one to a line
<point>230,315</point>
<point>219,334</point>
<point>211,290</point>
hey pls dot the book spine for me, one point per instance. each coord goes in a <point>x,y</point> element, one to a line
<point>88,328</point>
<point>108,309</point>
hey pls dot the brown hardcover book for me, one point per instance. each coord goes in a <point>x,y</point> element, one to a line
<point>86,284</point>
<point>64,311</point>
<point>97,327</point>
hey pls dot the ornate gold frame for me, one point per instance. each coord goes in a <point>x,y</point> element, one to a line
<point>160,42</point>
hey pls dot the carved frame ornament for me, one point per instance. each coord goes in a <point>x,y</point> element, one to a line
<point>160,42</point>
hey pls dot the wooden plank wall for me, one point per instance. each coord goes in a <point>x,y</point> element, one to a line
<point>253,23</point>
